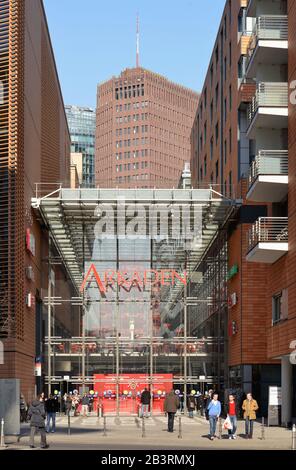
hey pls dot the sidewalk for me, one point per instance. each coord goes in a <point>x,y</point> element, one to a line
<point>88,434</point>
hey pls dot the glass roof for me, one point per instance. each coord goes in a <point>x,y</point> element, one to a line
<point>180,224</point>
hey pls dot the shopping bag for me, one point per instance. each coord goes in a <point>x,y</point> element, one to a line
<point>227,424</point>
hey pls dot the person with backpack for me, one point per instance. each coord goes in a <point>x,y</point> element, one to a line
<point>36,415</point>
<point>145,402</point>
<point>191,405</point>
<point>214,411</point>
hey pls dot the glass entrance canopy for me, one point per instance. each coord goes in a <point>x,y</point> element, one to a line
<point>124,317</point>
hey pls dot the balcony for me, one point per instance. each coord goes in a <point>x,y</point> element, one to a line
<point>268,239</point>
<point>268,43</point>
<point>268,176</point>
<point>269,107</point>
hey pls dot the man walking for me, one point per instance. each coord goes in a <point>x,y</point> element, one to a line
<point>250,406</point>
<point>145,402</point>
<point>36,414</point>
<point>214,411</point>
<point>51,407</point>
<point>171,404</point>
<point>85,404</point>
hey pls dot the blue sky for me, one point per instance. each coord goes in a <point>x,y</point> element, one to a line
<point>96,39</point>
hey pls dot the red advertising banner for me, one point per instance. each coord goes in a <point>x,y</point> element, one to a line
<point>130,389</point>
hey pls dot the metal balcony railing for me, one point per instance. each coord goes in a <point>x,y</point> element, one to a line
<point>268,94</point>
<point>268,162</point>
<point>269,27</point>
<point>268,229</point>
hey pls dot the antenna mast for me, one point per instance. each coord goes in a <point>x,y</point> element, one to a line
<point>138,44</point>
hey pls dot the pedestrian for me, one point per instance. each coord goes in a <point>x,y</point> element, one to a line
<point>191,405</point>
<point>36,414</point>
<point>68,404</point>
<point>23,409</point>
<point>171,404</point>
<point>200,403</point>
<point>232,413</point>
<point>214,411</point>
<point>84,404</point>
<point>145,402</point>
<point>250,406</point>
<point>51,407</point>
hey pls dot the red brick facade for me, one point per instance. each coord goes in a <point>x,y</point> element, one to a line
<point>38,150</point>
<point>143,130</point>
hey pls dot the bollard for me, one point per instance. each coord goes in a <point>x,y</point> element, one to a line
<point>143,427</point>
<point>69,423</point>
<point>220,428</point>
<point>2,441</point>
<point>180,428</point>
<point>105,427</point>
<point>262,429</point>
<point>294,437</point>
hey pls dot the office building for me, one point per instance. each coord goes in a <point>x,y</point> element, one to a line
<point>82,125</point>
<point>143,130</point>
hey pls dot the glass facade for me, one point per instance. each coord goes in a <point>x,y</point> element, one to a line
<point>124,306</point>
<point>82,126</point>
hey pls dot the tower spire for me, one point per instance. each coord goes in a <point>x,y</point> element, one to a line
<point>138,43</point>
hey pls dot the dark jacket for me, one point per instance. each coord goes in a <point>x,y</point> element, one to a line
<point>51,405</point>
<point>68,404</point>
<point>191,402</point>
<point>85,400</point>
<point>171,403</point>
<point>145,397</point>
<point>226,408</point>
<point>36,414</point>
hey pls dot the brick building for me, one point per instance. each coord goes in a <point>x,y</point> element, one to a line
<point>243,141</point>
<point>34,147</point>
<point>143,130</point>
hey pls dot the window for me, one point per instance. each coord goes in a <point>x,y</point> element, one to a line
<point>211,112</point>
<point>205,132</point>
<point>230,54</point>
<point>230,183</point>
<point>225,68</point>
<point>217,132</point>
<point>211,148</point>
<point>225,151</point>
<point>217,170</point>
<point>217,95</point>
<point>280,306</point>
<point>206,97</point>
<point>230,140</point>
<point>205,165</point>
<point>230,98</point>
<point>211,74</point>
<point>200,173</point>
<point>225,109</point>
<point>276,308</point>
<point>217,55</point>
<point>225,30</point>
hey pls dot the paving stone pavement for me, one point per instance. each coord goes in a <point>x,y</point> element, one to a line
<point>87,433</point>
